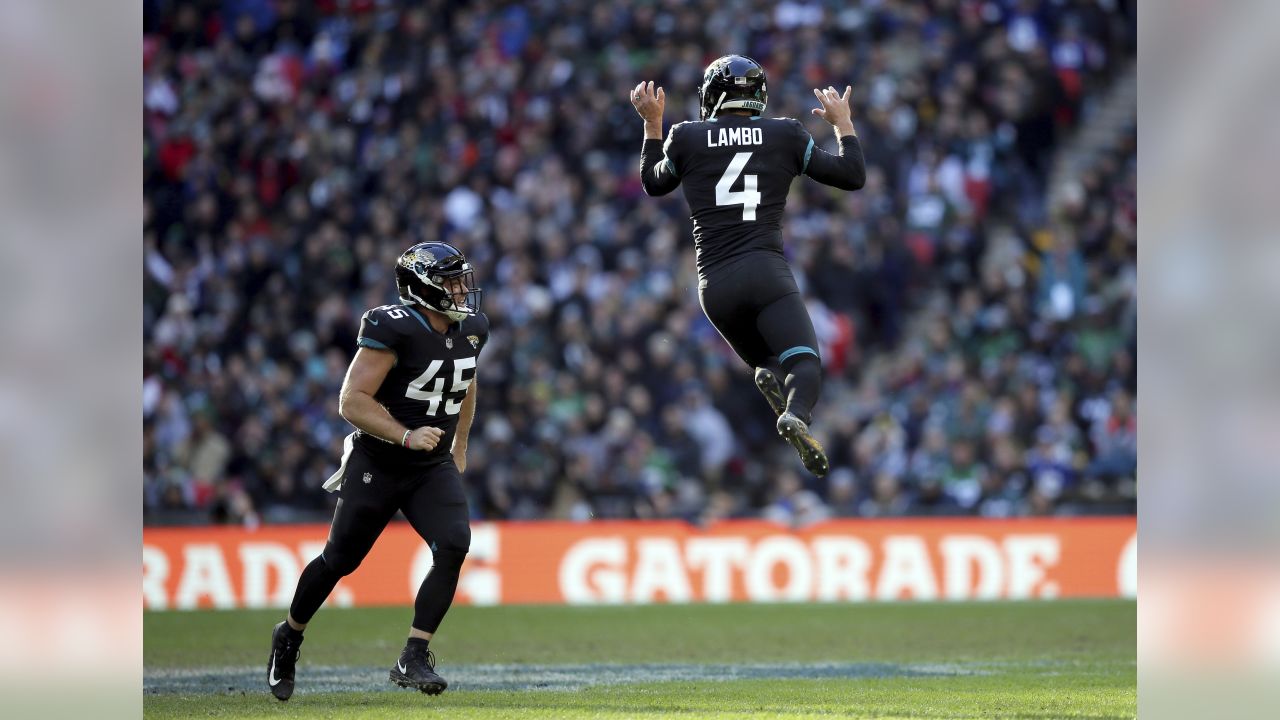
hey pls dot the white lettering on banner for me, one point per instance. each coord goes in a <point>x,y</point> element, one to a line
<point>785,567</point>
<point>1127,571</point>
<point>341,595</point>
<point>842,567</point>
<point>155,572</point>
<point>792,555</point>
<point>259,559</point>
<point>906,567</point>
<point>1029,557</point>
<point>204,573</point>
<point>660,569</point>
<point>607,584</point>
<point>717,558</point>
<point>962,552</point>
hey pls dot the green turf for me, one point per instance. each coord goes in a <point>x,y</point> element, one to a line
<point>1036,659</point>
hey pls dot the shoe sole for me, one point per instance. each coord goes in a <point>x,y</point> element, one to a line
<point>430,688</point>
<point>809,450</point>
<point>768,385</point>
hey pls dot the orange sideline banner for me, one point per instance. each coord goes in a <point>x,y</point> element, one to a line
<point>616,562</point>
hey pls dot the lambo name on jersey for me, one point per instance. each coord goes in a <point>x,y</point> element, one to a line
<point>429,380</point>
<point>736,172</point>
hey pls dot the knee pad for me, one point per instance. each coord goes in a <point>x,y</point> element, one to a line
<point>452,547</point>
<point>448,559</point>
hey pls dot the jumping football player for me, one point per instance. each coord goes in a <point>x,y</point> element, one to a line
<point>410,392</point>
<point>736,168</point>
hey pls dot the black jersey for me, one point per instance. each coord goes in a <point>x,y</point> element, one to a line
<point>736,172</point>
<point>429,380</point>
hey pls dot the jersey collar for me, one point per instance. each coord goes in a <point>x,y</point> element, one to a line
<point>427,325</point>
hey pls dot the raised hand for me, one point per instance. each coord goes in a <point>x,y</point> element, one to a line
<point>835,108</point>
<point>649,103</point>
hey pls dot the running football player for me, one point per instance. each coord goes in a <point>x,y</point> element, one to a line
<point>410,392</point>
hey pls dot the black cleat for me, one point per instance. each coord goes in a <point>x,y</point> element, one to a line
<point>416,668</point>
<point>796,432</point>
<point>280,666</point>
<point>768,385</point>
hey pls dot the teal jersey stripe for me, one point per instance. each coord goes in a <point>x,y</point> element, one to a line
<point>420,319</point>
<point>808,152</point>
<point>371,343</point>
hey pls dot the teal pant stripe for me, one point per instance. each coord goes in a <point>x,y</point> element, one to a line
<point>796,351</point>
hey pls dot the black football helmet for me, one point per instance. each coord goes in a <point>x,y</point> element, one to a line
<point>732,82</point>
<point>421,274</point>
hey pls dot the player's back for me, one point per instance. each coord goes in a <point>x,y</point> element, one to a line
<point>736,172</point>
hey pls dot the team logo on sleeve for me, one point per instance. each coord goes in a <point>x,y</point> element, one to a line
<point>368,478</point>
<point>474,340</point>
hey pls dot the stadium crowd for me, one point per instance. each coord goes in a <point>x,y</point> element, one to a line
<point>979,343</point>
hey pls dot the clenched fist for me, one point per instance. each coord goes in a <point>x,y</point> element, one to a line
<point>424,438</point>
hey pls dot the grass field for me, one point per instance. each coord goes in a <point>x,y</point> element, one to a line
<point>1057,659</point>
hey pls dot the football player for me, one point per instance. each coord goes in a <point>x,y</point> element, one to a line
<point>736,167</point>
<point>410,392</point>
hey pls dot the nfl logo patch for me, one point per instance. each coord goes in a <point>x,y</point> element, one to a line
<point>448,342</point>
<point>368,478</point>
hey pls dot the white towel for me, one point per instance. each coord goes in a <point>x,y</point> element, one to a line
<point>334,483</point>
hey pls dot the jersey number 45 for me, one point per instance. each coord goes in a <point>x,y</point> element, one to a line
<point>748,197</point>
<point>419,390</point>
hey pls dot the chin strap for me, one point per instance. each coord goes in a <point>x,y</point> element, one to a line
<point>716,109</point>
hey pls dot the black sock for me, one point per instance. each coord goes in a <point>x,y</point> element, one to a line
<point>290,632</point>
<point>802,385</point>
<point>417,642</point>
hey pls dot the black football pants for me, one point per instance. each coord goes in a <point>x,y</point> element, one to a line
<point>435,505</point>
<point>756,306</point>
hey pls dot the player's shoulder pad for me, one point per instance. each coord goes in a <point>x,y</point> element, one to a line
<point>478,323</point>
<point>396,315</point>
<point>675,130</point>
<point>476,328</point>
<point>792,122</point>
<point>387,325</point>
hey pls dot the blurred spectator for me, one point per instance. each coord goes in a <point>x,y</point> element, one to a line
<point>887,498</point>
<point>293,150</point>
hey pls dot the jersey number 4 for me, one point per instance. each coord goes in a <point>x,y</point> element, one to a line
<point>419,390</point>
<point>748,197</point>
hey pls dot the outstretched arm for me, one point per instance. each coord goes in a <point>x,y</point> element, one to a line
<point>848,170</point>
<point>657,174</point>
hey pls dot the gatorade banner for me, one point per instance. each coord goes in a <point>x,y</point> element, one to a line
<point>640,562</point>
